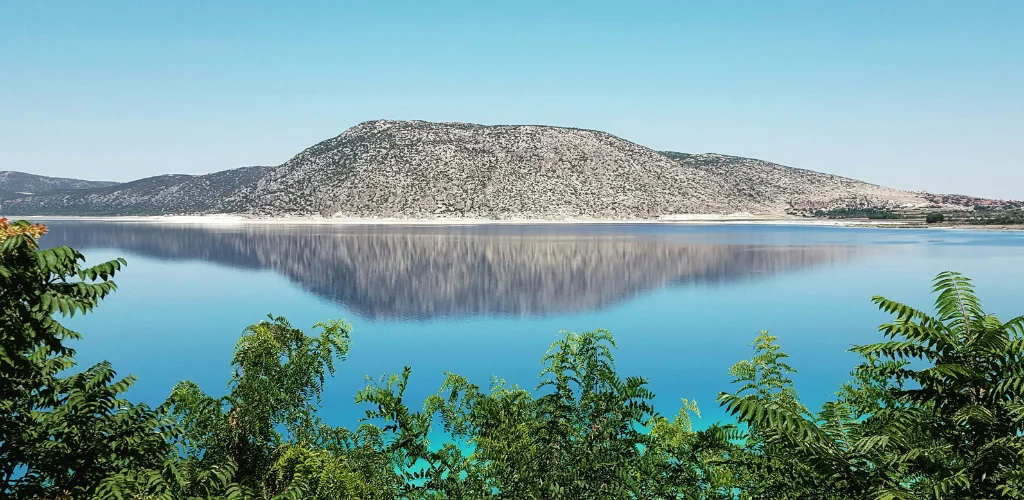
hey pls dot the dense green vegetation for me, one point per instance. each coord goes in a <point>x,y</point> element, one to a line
<point>996,217</point>
<point>933,410</point>
<point>858,213</point>
<point>981,216</point>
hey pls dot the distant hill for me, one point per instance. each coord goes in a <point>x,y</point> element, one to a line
<point>164,194</point>
<point>415,169</point>
<point>13,184</point>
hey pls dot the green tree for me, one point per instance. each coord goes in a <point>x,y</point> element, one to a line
<point>61,433</point>
<point>266,428</point>
<point>766,465</point>
<point>935,410</point>
<point>583,437</point>
<point>698,464</point>
<point>934,218</point>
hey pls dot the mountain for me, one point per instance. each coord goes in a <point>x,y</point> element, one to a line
<point>164,194</point>
<point>429,272</point>
<point>780,188</point>
<point>14,184</point>
<point>415,169</point>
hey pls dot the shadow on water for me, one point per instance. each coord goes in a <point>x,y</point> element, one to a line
<point>422,273</point>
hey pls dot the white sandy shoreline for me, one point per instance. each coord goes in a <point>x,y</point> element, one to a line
<point>231,219</point>
<point>681,219</point>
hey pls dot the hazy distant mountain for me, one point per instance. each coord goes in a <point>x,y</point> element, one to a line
<point>14,184</point>
<point>165,194</point>
<point>428,272</point>
<point>414,169</point>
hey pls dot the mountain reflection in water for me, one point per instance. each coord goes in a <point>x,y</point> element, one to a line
<point>386,272</point>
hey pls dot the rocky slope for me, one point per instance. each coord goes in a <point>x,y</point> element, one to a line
<point>781,189</point>
<point>165,194</point>
<point>412,169</point>
<point>422,273</point>
<point>14,184</point>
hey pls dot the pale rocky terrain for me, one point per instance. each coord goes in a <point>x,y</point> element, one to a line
<point>422,170</point>
<point>13,184</point>
<point>786,189</point>
<point>420,273</point>
<point>165,194</point>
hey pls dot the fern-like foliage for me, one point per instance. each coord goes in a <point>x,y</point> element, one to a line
<point>698,463</point>
<point>60,434</point>
<point>175,479</point>
<point>584,436</point>
<point>265,429</point>
<point>933,411</point>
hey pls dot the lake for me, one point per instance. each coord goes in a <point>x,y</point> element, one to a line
<point>684,302</point>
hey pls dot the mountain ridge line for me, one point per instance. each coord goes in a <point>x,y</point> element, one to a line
<point>414,169</point>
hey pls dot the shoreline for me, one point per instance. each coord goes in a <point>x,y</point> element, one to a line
<point>681,219</point>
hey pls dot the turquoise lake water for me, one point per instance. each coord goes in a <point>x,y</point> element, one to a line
<point>683,302</point>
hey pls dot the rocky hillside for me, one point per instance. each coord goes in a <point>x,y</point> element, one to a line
<point>783,189</point>
<point>165,194</point>
<point>412,169</point>
<point>431,272</point>
<point>13,184</point>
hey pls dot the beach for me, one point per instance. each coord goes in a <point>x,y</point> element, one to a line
<point>679,219</point>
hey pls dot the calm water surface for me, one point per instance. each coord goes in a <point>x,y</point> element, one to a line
<point>684,302</point>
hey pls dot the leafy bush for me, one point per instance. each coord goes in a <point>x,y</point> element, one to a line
<point>1002,217</point>
<point>951,428</point>
<point>934,218</point>
<point>858,213</point>
<point>60,434</point>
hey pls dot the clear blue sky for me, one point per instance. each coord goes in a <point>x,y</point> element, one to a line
<point>917,95</point>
